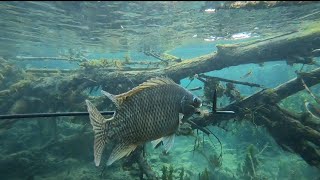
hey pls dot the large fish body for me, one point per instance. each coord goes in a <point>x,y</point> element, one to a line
<point>148,112</point>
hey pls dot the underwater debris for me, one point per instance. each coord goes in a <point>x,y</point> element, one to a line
<point>230,81</point>
<point>170,57</point>
<point>164,57</point>
<point>209,87</point>
<point>268,114</point>
<point>299,59</point>
<point>232,93</point>
<point>96,63</point>
<point>215,160</point>
<point>54,71</point>
<point>317,99</point>
<point>211,83</point>
<point>51,58</point>
<point>137,156</point>
<point>185,129</point>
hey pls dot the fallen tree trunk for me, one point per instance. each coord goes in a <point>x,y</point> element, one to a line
<point>275,95</point>
<point>291,131</point>
<point>300,43</point>
<point>281,47</point>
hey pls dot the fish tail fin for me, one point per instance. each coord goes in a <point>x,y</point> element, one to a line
<point>99,124</point>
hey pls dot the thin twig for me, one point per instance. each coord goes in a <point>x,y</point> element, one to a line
<point>231,81</point>
<point>309,91</point>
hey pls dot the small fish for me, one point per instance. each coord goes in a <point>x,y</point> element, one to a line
<point>247,74</point>
<point>151,111</point>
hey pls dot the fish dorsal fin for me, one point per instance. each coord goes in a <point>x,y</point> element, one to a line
<point>153,82</point>
<point>120,151</point>
<point>112,97</point>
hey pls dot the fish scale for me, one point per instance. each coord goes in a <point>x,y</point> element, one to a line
<point>148,112</point>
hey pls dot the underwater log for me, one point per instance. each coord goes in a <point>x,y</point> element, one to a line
<point>290,133</point>
<point>286,128</point>
<point>231,81</point>
<point>275,95</point>
<point>297,43</point>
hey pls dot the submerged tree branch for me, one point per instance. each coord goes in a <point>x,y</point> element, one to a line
<point>293,132</point>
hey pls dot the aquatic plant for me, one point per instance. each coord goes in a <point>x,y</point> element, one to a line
<point>210,85</point>
<point>170,57</point>
<point>204,175</point>
<point>167,175</point>
<point>181,174</point>
<point>232,93</point>
<point>248,170</point>
<point>173,173</point>
<point>96,63</point>
<point>215,160</point>
<point>170,175</point>
<point>164,172</point>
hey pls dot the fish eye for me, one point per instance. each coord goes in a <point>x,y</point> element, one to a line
<point>195,100</point>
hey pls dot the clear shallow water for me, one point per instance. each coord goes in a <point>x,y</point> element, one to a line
<point>112,30</point>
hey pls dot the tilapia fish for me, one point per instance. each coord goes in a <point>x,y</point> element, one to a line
<point>151,111</point>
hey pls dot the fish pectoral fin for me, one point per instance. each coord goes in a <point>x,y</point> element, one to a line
<point>168,142</point>
<point>120,151</point>
<point>180,118</point>
<point>156,142</point>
